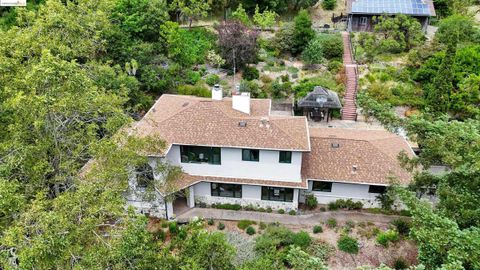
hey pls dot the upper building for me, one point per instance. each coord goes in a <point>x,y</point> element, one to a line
<point>361,13</point>
<point>231,150</point>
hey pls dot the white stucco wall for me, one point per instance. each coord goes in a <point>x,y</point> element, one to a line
<point>356,192</point>
<point>251,195</point>
<point>232,165</point>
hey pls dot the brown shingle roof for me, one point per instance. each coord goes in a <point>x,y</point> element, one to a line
<point>187,180</point>
<point>373,152</point>
<point>203,121</point>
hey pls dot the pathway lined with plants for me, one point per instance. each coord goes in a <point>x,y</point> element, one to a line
<point>306,219</point>
<point>349,111</point>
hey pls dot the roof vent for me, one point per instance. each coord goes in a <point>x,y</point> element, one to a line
<point>185,104</point>
<point>242,124</point>
<point>335,145</point>
<point>354,168</point>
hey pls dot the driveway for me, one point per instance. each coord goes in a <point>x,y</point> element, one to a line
<point>307,219</point>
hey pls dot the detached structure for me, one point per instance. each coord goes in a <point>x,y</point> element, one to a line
<point>232,150</point>
<point>360,13</point>
<point>317,104</point>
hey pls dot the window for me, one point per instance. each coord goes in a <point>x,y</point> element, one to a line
<point>250,155</point>
<point>363,20</point>
<point>144,175</point>
<point>226,190</point>
<point>200,154</point>
<point>285,157</point>
<point>277,194</point>
<point>377,189</point>
<point>322,186</point>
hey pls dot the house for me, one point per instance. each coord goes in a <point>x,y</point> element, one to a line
<point>232,150</point>
<point>361,13</point>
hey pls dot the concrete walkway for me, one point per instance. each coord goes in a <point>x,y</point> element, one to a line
<point>307,219</point>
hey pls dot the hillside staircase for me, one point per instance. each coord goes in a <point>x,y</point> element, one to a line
<point>349,111</point>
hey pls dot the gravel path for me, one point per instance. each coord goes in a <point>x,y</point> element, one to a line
<point>307,219</point>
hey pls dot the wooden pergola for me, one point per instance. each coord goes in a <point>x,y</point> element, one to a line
<point>317,105</point>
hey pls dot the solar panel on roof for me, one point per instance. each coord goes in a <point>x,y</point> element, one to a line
<point>410,7</point>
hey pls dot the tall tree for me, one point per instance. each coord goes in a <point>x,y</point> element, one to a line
<point>191,9</point>
<point>303,32</point>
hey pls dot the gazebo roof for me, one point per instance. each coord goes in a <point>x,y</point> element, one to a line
<point>320,98</point>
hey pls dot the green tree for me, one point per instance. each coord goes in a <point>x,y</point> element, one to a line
<point>400,33</point>
<point>329,4</point>
<point>191,9</point>
<point>456,29</point>
<point>303,31</point>
<point>313,53</point>
<point>241,15</point>
<point>265,19</point>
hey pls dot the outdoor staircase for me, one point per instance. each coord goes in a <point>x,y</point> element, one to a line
<point>349,111</point>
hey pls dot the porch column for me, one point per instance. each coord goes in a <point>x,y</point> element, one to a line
<point>295,198</point>
<point>170,214</point>
<point>191,197</point>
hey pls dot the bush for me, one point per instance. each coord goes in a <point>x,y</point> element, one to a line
<point>262,226</point>
<point>331,222</point>
<point>303,31</point>
<point>332,45</point>
<point>250,73</point>
<point>348,244</point>
<point>194,90</point>
<point>221,226</point>
<point>250,230</point>
<point>266,79</point>
<point>313,53</point>
<point>212,79</point>
<point>269,210</point>
<point>285,77</point>
<point>193,77</point>
<point>227,206</point>
<point>311,201</point>
<point>281,211</point>
<point>402,225</point>
<point>329,4</point>
<point>273,237</point>
<point>400,264</point>
<point>334,66</point>
<point>332,206</point>
<point>292,212</point>
<point>384,238</point>
<point>160,235</point>
<point>317,229</point>
<point>172,227</point>
<point>302,239</point>
<point>210,222</point>
<point>321,250</point>
<point>244,223</point>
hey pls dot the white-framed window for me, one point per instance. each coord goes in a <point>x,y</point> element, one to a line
<point>363,20</point>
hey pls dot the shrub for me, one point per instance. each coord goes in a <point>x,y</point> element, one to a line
<point>182,233</point>
<point>212,79</point>
<point>292,212</point>
<point>262,226</point>
<point>321,250</point>
<point>261,209</point>
<point>317,229</point>
<point>221,226</point>
<point>332,45</point>
<point>332,206</point>
<point>285,78</point>
<point>313,53</point>
<point>250,230</point>
<point>193,77</point>
<point>273,237</point>
<point>250,73</point>
<point>266,79</point>
<point>281,211</point>
<point>269,210</point>
<point>350,224</point>
<point>303,31</point>
<point>302,239</point>
<point>331,222</point>
<point>172,227</point>
<point>329,4</point>
<point>400,264</point>
<point>160,235</point>
<point>227,206</point>
<point>348,244</point>
<point>210,222</point>
<point>311,201</point>
<point>402,225</point>
<point>384,238</point>
<point>244,223</point>
<point>334,66</point>
<point>194,90</point>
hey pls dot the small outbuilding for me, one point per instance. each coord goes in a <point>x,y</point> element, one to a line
<point>361,13</point>
<point>319,104</point>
